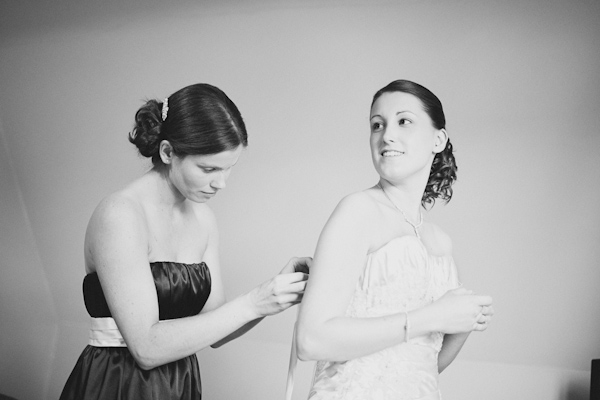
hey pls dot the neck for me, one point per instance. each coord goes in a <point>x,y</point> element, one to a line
<point>402,197</point>
<point>162,190</point>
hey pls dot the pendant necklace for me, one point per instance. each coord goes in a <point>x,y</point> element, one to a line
<point>415,226</point>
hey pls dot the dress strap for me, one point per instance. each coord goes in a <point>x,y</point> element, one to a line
<point>105,333</point>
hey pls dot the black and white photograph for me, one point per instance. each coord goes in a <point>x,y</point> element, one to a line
<point>300,200</point>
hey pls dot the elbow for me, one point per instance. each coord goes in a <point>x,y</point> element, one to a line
<point>146,366</point>
<point>145,363</point>
<point>304,351</point>
<point>308,346</point>
<point>144,358</point>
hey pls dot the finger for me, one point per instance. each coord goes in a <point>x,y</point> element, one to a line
<point>301,268</point>
<point>298,299</point>
<point>484,319</point>
<point>298,277</point>
<point>289,300</point>
<point>301,264</point>
<point>461,291</point>
<point>286,288</point>
<point>297,287</point>
<point>487,310</point>
<point>304,260</point>
<point>297,264</point>
<point>291,277</point>
<point>483,300</point>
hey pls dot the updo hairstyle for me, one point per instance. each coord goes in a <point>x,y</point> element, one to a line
<point>200,120</point>
<point>443,169</point>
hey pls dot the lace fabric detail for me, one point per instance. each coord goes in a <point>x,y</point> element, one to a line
<point>400,276</point>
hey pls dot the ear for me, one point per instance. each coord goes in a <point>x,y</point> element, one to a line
<point>441,138</point>
<point>165,150</point>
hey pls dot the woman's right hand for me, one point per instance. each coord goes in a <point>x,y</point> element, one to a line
<point>460,310</point>
<point>282,291</point>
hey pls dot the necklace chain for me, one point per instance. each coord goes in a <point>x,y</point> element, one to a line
<point>415,226</point>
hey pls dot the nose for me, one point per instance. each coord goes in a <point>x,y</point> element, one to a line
<point>389,136</point>
<point>219,181</point>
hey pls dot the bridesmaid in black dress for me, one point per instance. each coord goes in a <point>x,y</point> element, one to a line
<point>153,286</point>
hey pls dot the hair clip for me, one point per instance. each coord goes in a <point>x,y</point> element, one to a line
<point>165,108</point>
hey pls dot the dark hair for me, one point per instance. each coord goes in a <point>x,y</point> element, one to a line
<point>443,169</point>
<point>201,119</point>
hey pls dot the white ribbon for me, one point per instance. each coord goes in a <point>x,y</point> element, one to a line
<point>105,333</point>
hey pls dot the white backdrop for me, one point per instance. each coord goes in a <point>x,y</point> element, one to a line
<point>519,83</point>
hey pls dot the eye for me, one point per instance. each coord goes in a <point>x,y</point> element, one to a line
<point>375,126</point>
<point>208,169</point>
<point>404,121</point>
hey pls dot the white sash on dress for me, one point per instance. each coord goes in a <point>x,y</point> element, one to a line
<point>105,333</point>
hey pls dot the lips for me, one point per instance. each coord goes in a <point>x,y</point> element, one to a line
<point>391,153</point>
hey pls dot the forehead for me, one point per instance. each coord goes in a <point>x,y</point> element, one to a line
<point>394,102</point>
<point>224,159</point>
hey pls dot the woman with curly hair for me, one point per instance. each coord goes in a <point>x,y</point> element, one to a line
<point>153,284</point>
<point>384,311</point>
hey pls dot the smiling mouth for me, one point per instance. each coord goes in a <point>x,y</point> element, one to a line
<point>391,153</point>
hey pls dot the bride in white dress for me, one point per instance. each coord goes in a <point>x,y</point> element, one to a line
<point>383,312</point>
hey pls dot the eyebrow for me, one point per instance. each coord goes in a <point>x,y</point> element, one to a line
<point>202,165</point>
<point>399,112</point>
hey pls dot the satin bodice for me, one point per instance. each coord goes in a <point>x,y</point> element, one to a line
<point>182,290</point>
<point>106,369</point>
<point>398,277</point>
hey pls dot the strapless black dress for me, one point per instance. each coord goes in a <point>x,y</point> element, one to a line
<point>112,373</point>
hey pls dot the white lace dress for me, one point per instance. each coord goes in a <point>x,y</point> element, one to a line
<point>400,276</point>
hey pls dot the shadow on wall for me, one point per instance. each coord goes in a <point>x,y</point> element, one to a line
<point>29,321</point>
<point>576,391</point>
<point>583,389</point>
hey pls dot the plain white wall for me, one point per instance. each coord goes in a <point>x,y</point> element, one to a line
<point>519,83</point>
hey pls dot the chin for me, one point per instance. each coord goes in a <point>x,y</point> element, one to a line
<point>197,199</point>
<point>390,174</point>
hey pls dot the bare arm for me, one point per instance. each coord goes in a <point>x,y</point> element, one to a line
<point>117,241</point>
<point>450,348</point>
<point>453,343</point>
<point>325,333</point>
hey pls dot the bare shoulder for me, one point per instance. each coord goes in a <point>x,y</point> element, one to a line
<point>352,221</point>
<point>438,241</point>
<point>117,221</point>
<point>357,205</point>
<point>119,208</point>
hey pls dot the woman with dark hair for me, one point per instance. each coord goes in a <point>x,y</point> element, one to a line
<point>153,283</point>
<point>383,311</point>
